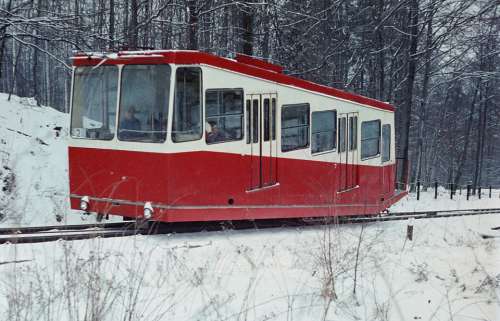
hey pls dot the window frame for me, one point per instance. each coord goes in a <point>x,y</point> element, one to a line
<point>379,139</point>
<point>334,132</point>
<point>308,113</point>
<point>202,105</point>
<point>119,103</point>
<point>242,113</point>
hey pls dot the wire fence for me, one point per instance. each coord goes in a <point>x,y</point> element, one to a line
<point>452,190</point>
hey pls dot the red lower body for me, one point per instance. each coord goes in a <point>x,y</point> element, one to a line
<point>206,186</point>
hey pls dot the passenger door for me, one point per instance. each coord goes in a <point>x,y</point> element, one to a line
<point>260,112</point>
<point>348,150</point>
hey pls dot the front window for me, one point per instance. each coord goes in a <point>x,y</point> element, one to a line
<point>94,102</point>
<point>144,103</point>
<point>186,125</point>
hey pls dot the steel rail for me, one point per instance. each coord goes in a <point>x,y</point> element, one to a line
<point>36,229</point>
<point>40,234</point>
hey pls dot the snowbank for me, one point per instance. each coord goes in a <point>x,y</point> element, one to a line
<point>33,164</point>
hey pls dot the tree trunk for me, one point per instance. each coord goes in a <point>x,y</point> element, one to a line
<point>132,30</point>
<point>111,43</point>
<point>3,29</point>
<point>193,25</point>
<point>247,25</point>
<point>410,79</point>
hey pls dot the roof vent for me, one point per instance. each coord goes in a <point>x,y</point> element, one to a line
<point>259,63</point>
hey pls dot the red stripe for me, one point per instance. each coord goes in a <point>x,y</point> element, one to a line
<point>198,185</point>
<point>196,57</point>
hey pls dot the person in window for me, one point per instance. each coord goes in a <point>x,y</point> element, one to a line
<point>130,125</point>
<point>214,135</point>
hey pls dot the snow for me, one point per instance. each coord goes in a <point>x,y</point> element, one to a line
<point>444,203</point>
<point>447,272</point>
<point>36,157</point>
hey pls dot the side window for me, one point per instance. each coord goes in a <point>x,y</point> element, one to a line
<point>252,106</point>
<point>342,134</point>
<point>323,130</point>
<point>294,127</point>
<point>269,119</point>
<point>144,103</point>
<point>273,123</point>
<point>386,143</point>
<point>353,133</point>
<point>224,115</point>
<point>186,124</point>
<point>266,120</point>
<point>370,138</point>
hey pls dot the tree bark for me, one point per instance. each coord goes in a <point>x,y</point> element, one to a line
<point>410,79</point>
<point>192,25</point>
<point>247,25</point>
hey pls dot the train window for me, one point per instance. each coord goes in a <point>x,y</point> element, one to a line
<point>248,121</point>
<point>266,120</point>
<point>323,130</point>
<point>252,119</point>
<point>342,134</point>
<point>294,127</point>
<point>255,120</point>
<point>370,138</point>
<point>269,122</point>
<point>144,103</point>
<point>386,142</point>
<point>273,123</point>
<point>94,102</point>
<point>353,133</point>
<point>224,115</point>
<point>186,124</point>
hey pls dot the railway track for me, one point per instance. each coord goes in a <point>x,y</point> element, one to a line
<point>38,234</point>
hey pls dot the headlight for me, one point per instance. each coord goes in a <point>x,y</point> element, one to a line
<point>84,203</point>
<point>148,210</point>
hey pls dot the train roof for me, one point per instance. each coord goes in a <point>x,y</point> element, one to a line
<point>242,64</point>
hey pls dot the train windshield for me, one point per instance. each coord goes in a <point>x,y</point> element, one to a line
<point>144,103</point>
<point>94,102</point>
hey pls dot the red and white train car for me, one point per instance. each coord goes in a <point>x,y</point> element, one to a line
<point>189,136</point>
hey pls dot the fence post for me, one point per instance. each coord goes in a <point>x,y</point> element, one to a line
<point>435,190</point>
<point>479,192</point>
<point>490,191</point>
<point>418,190</point>
<point>451,191</point>
<point>468,191</point>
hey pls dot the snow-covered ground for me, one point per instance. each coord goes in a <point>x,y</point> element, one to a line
<point>448,272</point>
<point>444,203</point>
<point>33,164</point>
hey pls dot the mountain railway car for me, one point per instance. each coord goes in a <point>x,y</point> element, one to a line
<point>188,136</point>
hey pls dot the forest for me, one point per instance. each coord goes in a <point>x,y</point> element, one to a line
<point>436,61</point>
